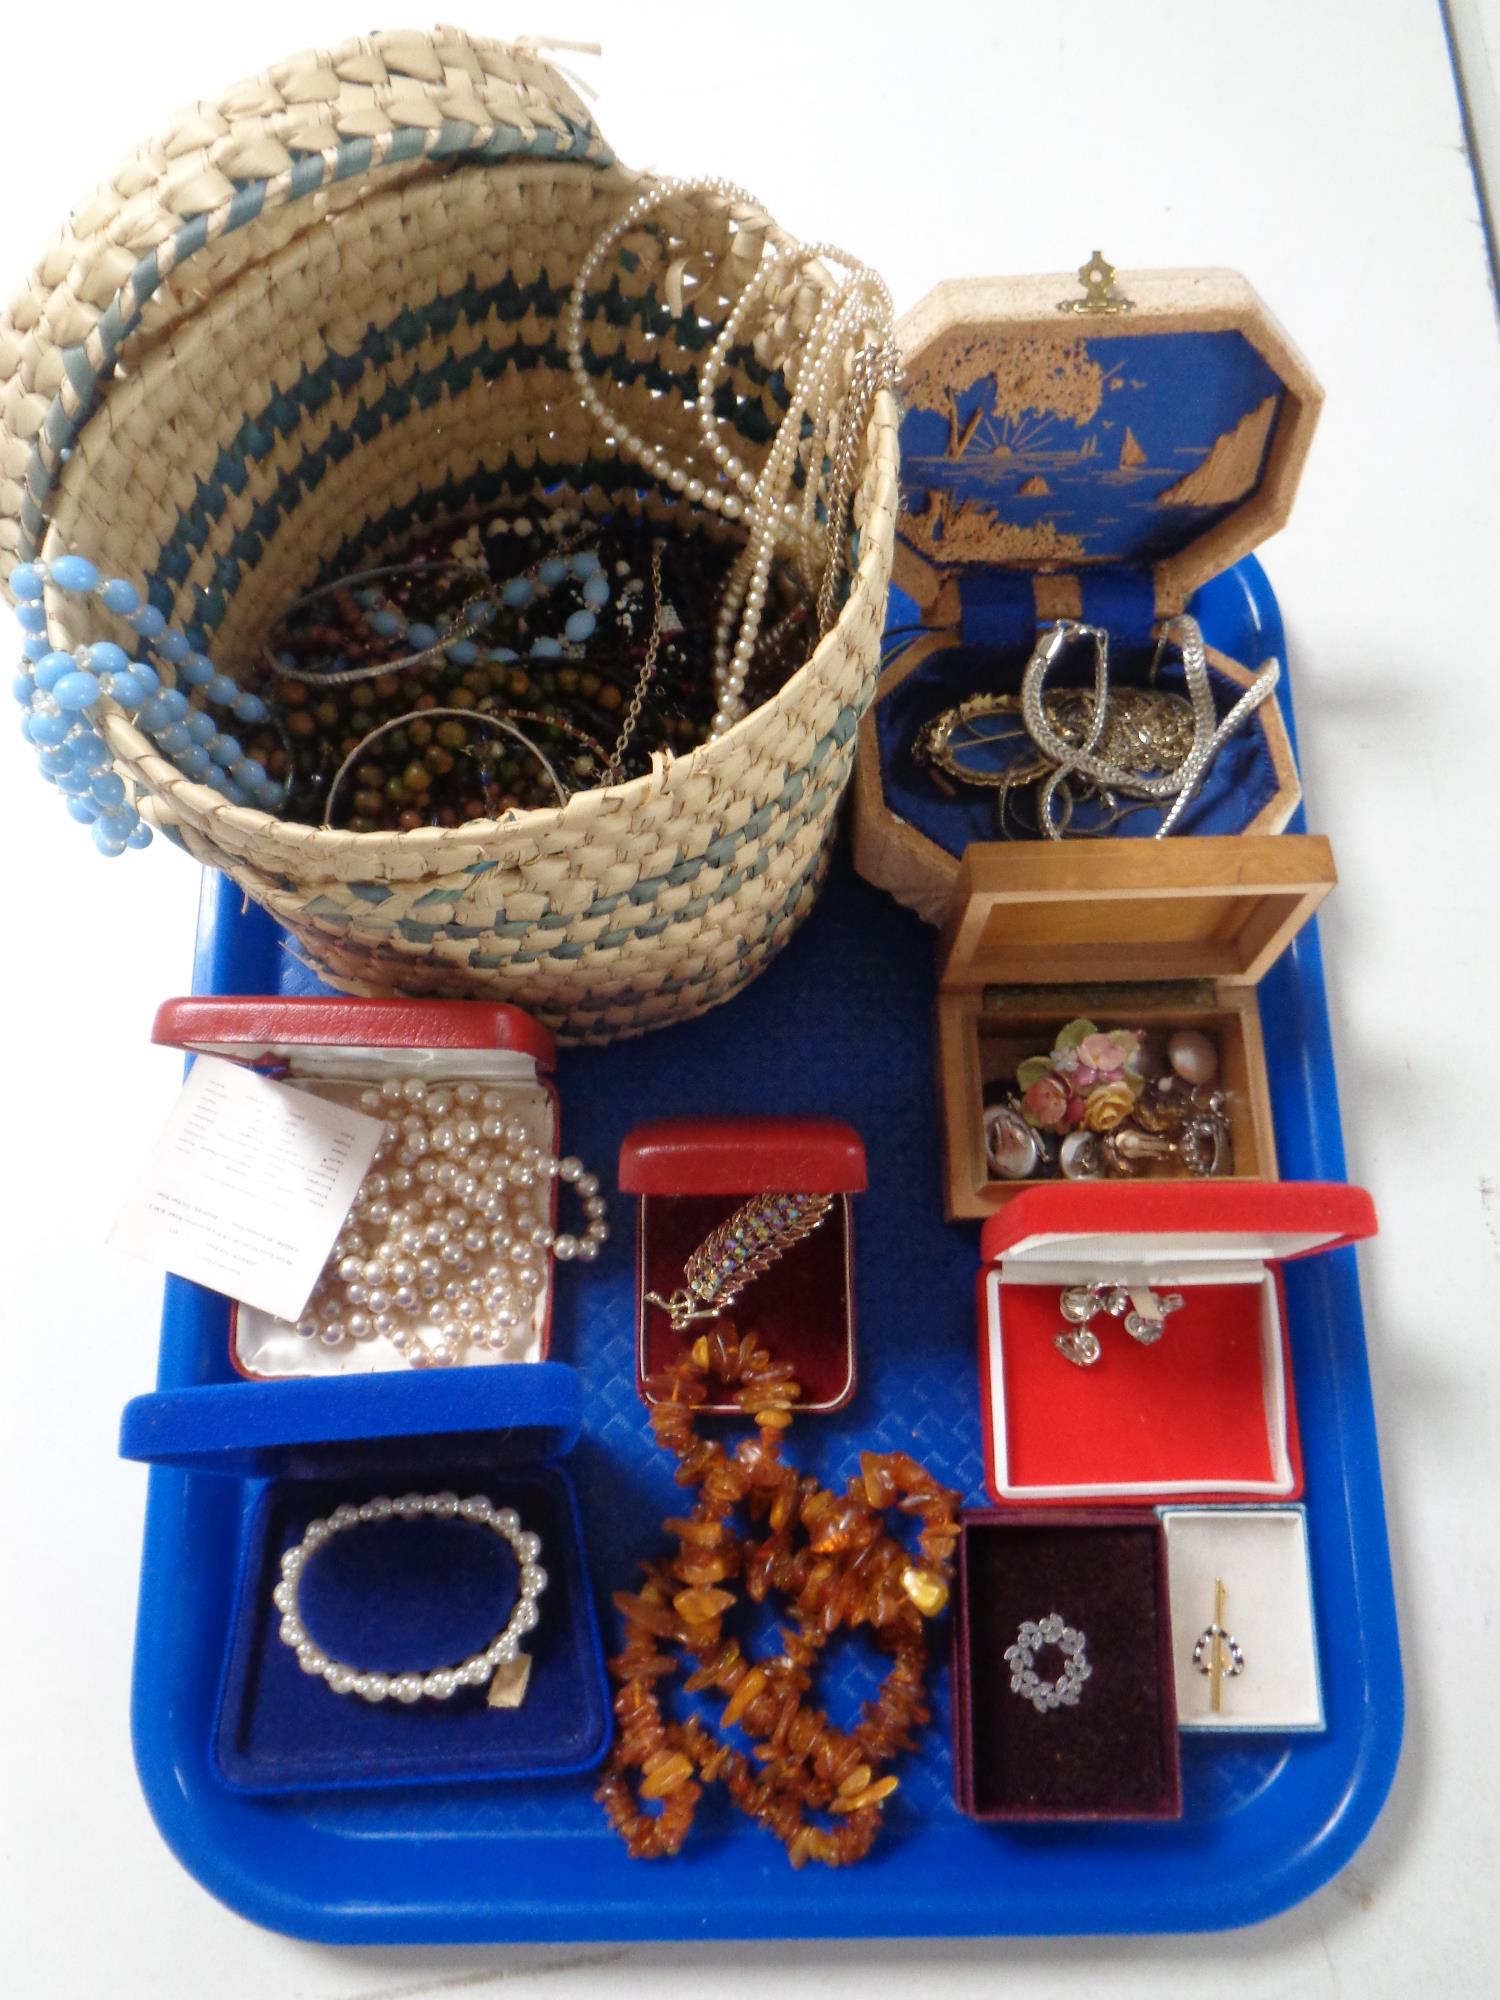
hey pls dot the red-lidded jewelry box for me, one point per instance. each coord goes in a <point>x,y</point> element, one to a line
<point>1207,1411</point>
<point>337,1047</point>
<point>691,1175</point>
<point>1114,1753</point>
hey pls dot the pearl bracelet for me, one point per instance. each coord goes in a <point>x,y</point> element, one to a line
<point>502,1663</point>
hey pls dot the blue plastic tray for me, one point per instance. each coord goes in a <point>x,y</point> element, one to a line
<point>839,1025</point>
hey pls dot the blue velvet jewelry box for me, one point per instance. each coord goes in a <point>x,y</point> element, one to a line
<point>394,1595</point>
<point>1111,457</point>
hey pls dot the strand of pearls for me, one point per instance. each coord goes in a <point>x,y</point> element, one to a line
<point>442,1681</point>
<point>445,1247</point>
<point>831,383</point>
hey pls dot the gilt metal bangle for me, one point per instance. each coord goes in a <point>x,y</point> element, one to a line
<point>502,1663</point>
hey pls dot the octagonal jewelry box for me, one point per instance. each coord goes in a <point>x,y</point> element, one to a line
<point>1105,457</point>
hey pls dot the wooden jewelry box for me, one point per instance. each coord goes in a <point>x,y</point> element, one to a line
<point>1161,935</point>
<point>1067,457</point>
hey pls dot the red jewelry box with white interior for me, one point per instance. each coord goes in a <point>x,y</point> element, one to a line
<point>337,1047</point>
<point>691,1175</point>
<point>1206,1412</point>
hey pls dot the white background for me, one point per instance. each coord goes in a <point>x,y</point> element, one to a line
<point>1318,148</point>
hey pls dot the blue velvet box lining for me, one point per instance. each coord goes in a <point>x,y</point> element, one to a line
<point>410,1596</point>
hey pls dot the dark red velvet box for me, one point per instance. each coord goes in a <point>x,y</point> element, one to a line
<point>691,1174</point>
<point>1114,1755</point>
<point>1206,1413</point>
<point>337,1045</point>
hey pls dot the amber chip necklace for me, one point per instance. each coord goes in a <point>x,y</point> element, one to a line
<point>763,1530</point>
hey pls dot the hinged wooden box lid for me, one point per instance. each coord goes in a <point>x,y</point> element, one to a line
<point>1150,421</point>
<point>1126,912</point>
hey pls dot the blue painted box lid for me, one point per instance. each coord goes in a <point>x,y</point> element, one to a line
<point>1047,436</point>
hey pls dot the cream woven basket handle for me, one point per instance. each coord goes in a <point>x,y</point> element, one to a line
<point>226,184</point>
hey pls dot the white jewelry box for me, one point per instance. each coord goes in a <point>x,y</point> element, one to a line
<point>1261,1556</point>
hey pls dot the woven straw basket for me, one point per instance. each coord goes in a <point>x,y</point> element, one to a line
<point>326,309</point>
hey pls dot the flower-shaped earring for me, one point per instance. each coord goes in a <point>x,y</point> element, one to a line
<point>1064,1692</point>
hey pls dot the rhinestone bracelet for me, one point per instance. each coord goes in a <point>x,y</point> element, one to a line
<point>502,1663</point>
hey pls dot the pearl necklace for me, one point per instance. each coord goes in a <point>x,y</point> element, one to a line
<point>444,1249</point>
<point>845,357</point>
<point>501,1663</point>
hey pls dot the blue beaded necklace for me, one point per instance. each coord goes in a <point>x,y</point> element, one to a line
<point>453,638</point>
<point>60,693</point>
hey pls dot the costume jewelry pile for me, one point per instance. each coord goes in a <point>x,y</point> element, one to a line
<point>1104,743</point>
<point>795,512</point>
<point>1112,1103</point>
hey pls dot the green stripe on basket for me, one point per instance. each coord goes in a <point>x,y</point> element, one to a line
<point>278,420</point>
<point>418,932</point>
<point>690,912</point>
<point>720,852</point>
<point>605,1019</point>
<point>307,176</point>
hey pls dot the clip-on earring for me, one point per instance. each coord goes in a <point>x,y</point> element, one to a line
<point>1146,1321</point>
<point>1143,1311</point>
<point>1077,1342</point>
